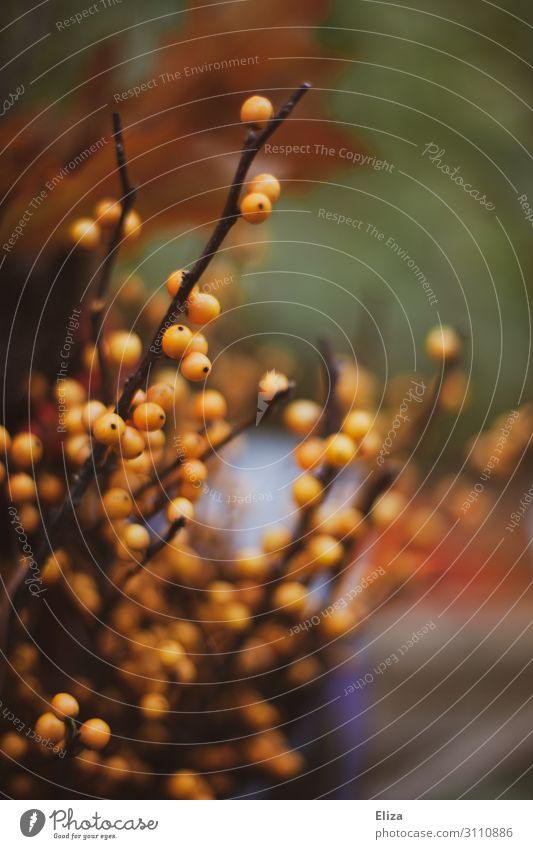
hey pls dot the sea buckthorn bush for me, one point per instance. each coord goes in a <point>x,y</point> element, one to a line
<point>145,654</point>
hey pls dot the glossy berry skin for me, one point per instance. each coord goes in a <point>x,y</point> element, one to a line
<point>309,453</point>
<point>26,450</point>
<point>149,416</point>
<point>63,705</point>
<point>198,344</point>
<point>162,394</point>
<point>301,417</point>
<point>179,508</point>
<point>21,488</point>
<point>85,233</point>
<point>95,733</point>
<point>195,367</point>
<point>91,411</point>
<point>176,340</point>
<point>117,503</point>
<point>265,184</point>
<point>131,444</point>
<point>132,225</point>
<point>136,537</point>
<point>174,281</point>
<point>107,212</point>
<point>255,208</point>
<point>210,405</point>
<point>202,308</point>
<point>256,110</point>
<point>109,429</point>
<point>49,727</point>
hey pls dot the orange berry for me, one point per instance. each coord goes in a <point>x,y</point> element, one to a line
<point>174,281</point>
<point>302,416</point>
<point>162,394</point>
<point>306,489</point>
<point>85,233</point>
<point>21,488</point>
<point>195,367</point>
<point>340,450</point>
<point>30,518</point>
<point>209,405</point>
<point>202,308</point>
<point>132,225</point>
<point>190,445</point>
<point>131,444</point>
<point>310,453</point>
<point>290,597</point>
<point>149,416</point>
<point>136,537</point>
<point>5,440</point>
<point>357,424</point>
<point>95,733</point>
<point>91,411</point>
<point>251,563</point>
<point>325,551</point>
<point>255,208</point>
<point>50,488</point>
<point>198,344</point>
<point>256,110</point>
<point>109,429</point>
<point>176,340</point>
<point>170,652</point>
<point>78,448</point>
<point>49,727</point>
<point>388,509</point>
<point>69,392</point>
<point>275,539</point>
<point>179,508</point>
<point>443,343</point>
<point>107,212</point>
<point>123,349</point>
<point>117,503</point>
<point>194,471</point>
<point>153,705</point>
<point>13,745</point>
<point>63,705</point>
<point>265,184</point>
<point>73,421</point>
<point>26,450</point>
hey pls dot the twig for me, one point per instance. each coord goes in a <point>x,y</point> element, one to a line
<point>99,303</point>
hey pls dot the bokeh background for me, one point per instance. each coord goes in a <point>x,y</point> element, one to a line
<point>453,717</point>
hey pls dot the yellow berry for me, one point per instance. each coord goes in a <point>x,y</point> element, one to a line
<point>73,421</point>
<point>174,281</point>
<point>21,488</point>
<point>357,424</point>
<point>443,344</point>
<point>117,503</point>
<point>324,550</point>
<point>310,453</point>
<point>179,508</point>
<point>91,411</point>
<point>132,225</point>
<point>265,184</point>
<point>195,367</point>
<point>107,212</point>
<point>162,394</point>
<point>290,597</point>
<point>136,537</point>
<point>85,233</point>
<point>256,110</point>
<point>209,405</point>
<point>255,208</point>
<point>123,349</point>
<point>340,450</point>
<point>69,392</point>
<point>194,471</point>
<point>109,429</point>
<point>198,344</point>
<point>251,563</point>
<point>275,539</point>
<point>170,652</point>
<point>131,444</point>
<point>302,416</point>
<point>176,340</point>
<point>95,733</point>
<point>202,308</point>
<point>26,450</point>
<point>49,727</point>
<point>306,489</point>
<point>149,416</point>
<point>63,705</point>
<point>5,440</point>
